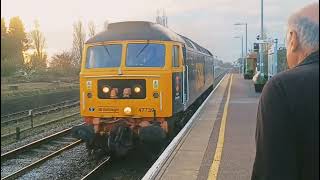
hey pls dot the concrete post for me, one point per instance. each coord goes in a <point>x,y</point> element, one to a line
<point>31,117</point>
<point>261,45</point>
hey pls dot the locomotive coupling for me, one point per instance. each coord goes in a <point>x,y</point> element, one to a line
<point>120,140</point>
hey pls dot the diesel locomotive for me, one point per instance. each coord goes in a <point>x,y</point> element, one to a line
<point>250,65</point>
<point>136,81</point>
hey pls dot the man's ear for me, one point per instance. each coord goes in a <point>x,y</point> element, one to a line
<point>294,41</point>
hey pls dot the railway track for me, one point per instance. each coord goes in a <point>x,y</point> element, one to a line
<point>17,126</point>
<point>22,115</point>
<point>23,159</point>
<point>96,172</point>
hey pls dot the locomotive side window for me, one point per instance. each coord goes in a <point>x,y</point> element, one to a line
<point>175,56</point>
<point>184,52</point>
<point>104,56</point>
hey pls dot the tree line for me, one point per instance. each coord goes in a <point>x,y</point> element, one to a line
<point>25,52</point>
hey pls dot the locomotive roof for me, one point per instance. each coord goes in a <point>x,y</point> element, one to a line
<point>136,30</point>
<point>142,30</point>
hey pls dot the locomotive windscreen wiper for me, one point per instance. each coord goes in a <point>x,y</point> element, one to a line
<point>106,48</point>
<point>142,49</point>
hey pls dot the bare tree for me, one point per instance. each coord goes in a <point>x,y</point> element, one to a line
<point>105,25</point>
<point>79,36</point>
<point>91,28</point>
<point>38,43</point>
<point>62,60</point>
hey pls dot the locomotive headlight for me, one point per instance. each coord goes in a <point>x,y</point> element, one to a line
<point>137,89</point>
<point>127,110</point>
<point>106,89</point>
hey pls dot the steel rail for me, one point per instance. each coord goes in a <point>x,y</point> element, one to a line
<point>93,174</point>
<point>22,130</point>
<point>40,161</point>
<point>26,114</point>
<point>33,144</point>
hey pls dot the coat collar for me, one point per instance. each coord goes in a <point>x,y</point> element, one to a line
<point>312,58</point>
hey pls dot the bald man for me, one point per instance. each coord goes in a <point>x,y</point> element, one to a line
<point>287,133</point>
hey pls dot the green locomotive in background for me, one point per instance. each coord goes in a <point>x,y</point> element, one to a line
<point>250,65</point>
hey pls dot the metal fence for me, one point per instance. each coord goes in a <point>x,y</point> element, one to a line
<point>16,122</point>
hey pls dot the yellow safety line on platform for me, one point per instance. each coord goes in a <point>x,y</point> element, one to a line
<point>213,172</point>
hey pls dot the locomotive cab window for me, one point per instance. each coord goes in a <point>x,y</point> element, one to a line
<point>104,56</point>
<point>175,56</point>
<point>145,55</point>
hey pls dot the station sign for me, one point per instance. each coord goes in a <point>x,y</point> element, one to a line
<point>262,42</point>
<point>255,47</point>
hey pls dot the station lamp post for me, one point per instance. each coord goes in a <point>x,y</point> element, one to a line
<point>241,51</point>
<point>246,47</point>
<point>261,44</point>
<point>245,24</point>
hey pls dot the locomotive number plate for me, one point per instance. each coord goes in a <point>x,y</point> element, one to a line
<point>146,109</point>
<point>108,109</point>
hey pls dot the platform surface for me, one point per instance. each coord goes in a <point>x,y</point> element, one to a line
<point>194,156</point>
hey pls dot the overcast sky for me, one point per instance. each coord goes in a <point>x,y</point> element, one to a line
<point>207,22</point>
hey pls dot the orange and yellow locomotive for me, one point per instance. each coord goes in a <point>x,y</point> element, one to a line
<point>136,80</point>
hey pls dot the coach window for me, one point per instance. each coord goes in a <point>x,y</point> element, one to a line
<point>175,56</point>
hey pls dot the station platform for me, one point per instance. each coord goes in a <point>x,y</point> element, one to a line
<point>221,142</point>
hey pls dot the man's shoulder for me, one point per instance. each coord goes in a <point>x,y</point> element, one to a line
<point>281,78</point>
<point>299,73</point>
<point>285,75</point>
<point>293,79</point>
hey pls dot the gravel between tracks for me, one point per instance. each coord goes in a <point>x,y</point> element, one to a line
<point>58,127</point>
<point>71,164</point>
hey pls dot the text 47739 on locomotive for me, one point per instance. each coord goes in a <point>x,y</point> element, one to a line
<point>136,80</point>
